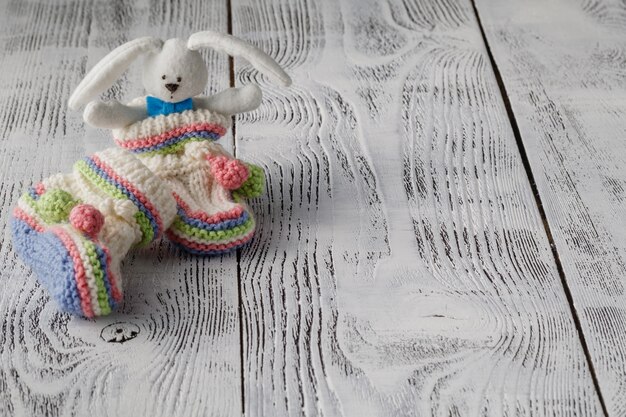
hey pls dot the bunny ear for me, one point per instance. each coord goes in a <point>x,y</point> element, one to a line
<point>110,68</point>
<point>236,47</point>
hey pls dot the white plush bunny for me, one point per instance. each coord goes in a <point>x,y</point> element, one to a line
<point>174,76</point>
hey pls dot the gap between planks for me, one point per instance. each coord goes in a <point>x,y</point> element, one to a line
<point>539,203</point>
<point>231,69</point>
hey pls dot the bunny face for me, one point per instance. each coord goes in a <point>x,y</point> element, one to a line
<point>174,73</point>
<point>173,70</point>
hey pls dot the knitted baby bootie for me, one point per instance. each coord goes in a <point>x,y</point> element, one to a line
<point>74,229</point>
<point>208,184</point>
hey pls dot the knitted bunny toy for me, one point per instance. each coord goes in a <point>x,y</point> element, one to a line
<point>172,131</point>
<point>169,175</point>
<point>174,75</point>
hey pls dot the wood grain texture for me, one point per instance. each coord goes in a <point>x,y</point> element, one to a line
<point>401,266</point>
<point>180,354</point>
<point>564,70</point>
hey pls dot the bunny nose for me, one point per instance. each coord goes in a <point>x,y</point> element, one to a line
<point>171,87</point>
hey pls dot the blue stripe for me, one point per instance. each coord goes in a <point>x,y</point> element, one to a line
<point>226,224</point>
<point>126,192</point>
<point>172,141</point>
<point>105,275</point>
<point>33,193</point>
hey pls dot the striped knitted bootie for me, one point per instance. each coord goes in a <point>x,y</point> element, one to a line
<point>74,229</point>
<point>209,185</point>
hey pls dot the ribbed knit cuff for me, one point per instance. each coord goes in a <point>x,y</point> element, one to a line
<point>169,133</point>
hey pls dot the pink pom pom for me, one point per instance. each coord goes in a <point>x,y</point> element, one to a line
<point>87,219</point>
<point>40,189</point>
<point>231,173</point>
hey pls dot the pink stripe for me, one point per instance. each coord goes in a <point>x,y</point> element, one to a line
<point>157,139</point>
<point>79,271</point>
<point>140,196</point>
<point>208,246</point>
<point>115,292</point>
<point>233,213</point>
<point>18,213</point>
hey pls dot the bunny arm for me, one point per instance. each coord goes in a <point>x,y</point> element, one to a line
<point>113,114</point>
<point>231,101</point>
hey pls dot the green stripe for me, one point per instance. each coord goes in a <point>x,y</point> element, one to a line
<point>213,235</point>
<point>98,181</point>
<point>176,147</point>
<point>142,220</point>
<point>147,233</point>
<point>103,299</point>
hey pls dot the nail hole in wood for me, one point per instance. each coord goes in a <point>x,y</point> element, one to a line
<point>119,332</point>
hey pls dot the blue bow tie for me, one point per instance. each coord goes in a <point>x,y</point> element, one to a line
<point>157,106</point>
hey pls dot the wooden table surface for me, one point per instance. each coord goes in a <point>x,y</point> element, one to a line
<point>443,234</point>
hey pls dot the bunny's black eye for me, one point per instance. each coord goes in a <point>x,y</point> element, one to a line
<point>163,77</point>
<point>179,79</point>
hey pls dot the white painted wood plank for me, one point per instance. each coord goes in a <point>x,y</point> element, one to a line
<point>185,359</point>
<point>401,266</point>
<point>563,67</point>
